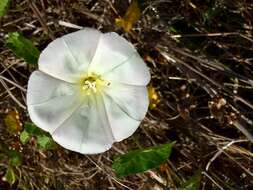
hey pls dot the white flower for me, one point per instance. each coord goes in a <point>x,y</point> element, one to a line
<point>90,90</point>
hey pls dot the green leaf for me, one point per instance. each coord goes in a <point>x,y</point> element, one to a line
<point>24,137</point>
<point>46,143</point>
<point>15,158</point>
<point>141,160</point>
<point>4,5</point>
<point>44,140</point>
<point>10,176</point>
<point>22,47</point>
<point>32,129</point>
<point>193,183</point>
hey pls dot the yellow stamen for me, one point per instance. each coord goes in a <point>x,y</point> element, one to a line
<point>92,83</point>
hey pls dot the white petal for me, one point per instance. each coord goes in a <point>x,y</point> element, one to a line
<point>70,134</point>
<point>42,87</point>
<point>50,101</point>
<point>131,99</point>
<point>134,72</point>
<point>121,124</point>
<point>112,51</point>
<point>86,130</point>
<point>68,57</point>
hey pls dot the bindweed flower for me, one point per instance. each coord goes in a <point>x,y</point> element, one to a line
<point>90,90</point>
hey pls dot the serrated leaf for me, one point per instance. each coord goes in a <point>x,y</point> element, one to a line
<point>22,47</point>
<point>46,143</point>
<point>193,183</point>
<point>15,158</point>
<point>132,15</point>
<point>12,122</point>
<point>141,160</point>
<point>4,5</point>
<point>24,137</point>
<point>10,176</point>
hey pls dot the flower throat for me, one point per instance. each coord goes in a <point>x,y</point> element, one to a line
<point>93,83</point>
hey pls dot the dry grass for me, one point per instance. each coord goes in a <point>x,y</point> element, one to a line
<point>200,57</point>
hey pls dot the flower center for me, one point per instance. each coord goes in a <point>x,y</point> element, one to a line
<point>92,83</point>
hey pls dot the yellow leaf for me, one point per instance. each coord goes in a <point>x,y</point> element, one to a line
<point>133,14</point>
<point>12,122</point>
<point>154,98</point>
